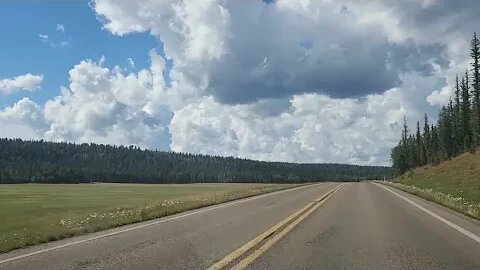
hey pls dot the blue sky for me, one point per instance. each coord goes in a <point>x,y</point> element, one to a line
<point>23,51</point>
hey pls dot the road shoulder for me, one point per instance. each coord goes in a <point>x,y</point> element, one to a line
<point>466,223</point>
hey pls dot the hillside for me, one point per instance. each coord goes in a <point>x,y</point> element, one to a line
<point>459,177</point>
<point>51,162</point>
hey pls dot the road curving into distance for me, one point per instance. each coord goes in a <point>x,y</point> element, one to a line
<point>322,226</point>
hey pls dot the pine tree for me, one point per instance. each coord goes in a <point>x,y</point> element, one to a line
<point>435,145</point>
<point>405,162</point>
<point>419,147</point>
<point>453,139</point>
<point>444,128</point>
<point>457,129</point>
<point>466,114</point>
<point>457,118</point>
<point>426,140</point>
<point>475,54</point>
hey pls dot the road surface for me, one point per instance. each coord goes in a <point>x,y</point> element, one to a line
<point>357,226</point>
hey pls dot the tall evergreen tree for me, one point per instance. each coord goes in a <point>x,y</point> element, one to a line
<point>453,134</point>
<point>444,129</point>
<point>475,54</point>
<point>419,147</point>
<point>404,149</point>
<point>456,131</point>
<point>426,140</point>
<point>435,144</point>
<point>466,114</point>
<point>457,118</point>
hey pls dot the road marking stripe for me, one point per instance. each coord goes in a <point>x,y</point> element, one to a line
<point>249,245</point>
<point>449,223</point>
<point>151,224</point>
<point>257,253</point>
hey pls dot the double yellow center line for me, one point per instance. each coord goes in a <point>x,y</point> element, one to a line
<point>246,254</point>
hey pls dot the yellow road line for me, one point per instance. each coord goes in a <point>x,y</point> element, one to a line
<point>297,217</point>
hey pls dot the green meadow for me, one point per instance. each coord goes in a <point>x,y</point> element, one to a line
<point>35,213</point>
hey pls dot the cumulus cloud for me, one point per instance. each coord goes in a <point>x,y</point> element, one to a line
<point>305,81</point>
<point>23,110</point>
<point>244,51</point>
<point>21,120</point>
<point>313,128</point>
<point>26,82</point>
<point>107,106</point>
<point>362,56</point>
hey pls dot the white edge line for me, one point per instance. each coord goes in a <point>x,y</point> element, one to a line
<point>152,223</point>
<point>449,223</point>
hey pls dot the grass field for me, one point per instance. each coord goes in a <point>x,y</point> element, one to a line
<point>454,183</point>
<point>32,214</point>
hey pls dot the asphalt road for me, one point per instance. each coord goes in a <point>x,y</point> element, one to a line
<point>366,227</point>
<point>361,226</point>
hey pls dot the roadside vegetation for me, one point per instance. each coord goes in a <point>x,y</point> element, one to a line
<point>33,214</point>
<point>457,130</point>
<point>454,183</point>
<point>439,162</point>
<point>459,204</point>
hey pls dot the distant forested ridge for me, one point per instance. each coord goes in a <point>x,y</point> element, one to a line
<point>50,162</point>
<point>458,127</point>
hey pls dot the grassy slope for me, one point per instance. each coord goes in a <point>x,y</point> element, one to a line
<point>454,183</point>
<point>32,214</point>
<point>459,177</point>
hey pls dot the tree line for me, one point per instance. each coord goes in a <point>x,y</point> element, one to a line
<point>53,162</point>
<point>457,129</point>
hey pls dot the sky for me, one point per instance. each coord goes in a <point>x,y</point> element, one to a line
<point>285,80</point>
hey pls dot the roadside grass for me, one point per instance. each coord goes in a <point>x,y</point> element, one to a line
<point>459,177</point>
<point>32,214</point>
<point>454,183</point>
<point>459,204</point>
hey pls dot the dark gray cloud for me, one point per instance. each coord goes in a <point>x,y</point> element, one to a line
<point>450,16</point>
<point>273,57</point>
<point>361,69</point>
<point>418,58</point>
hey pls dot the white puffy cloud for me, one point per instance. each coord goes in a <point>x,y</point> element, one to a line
<point>22,110</point>
<point>106,106</point>
<point>27,82</point>
<point>440,97</point>
<point>22,120</point>
<point>313,128</point>
<point>300,80</point>
<point>304,81</point>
